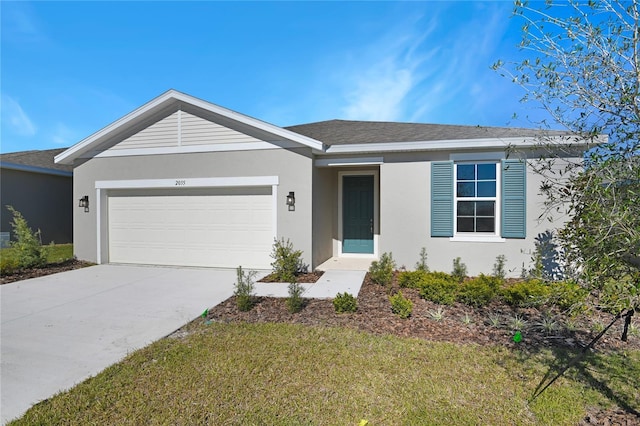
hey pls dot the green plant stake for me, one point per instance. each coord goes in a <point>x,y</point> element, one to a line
<point>517,337</point>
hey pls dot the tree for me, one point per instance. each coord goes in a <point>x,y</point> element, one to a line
<point>582,66</point>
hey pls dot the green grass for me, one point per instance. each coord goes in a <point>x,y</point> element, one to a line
<point>56,253</point>
<point>283,374</point>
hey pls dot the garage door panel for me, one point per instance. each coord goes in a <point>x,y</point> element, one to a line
<point>222,228</point>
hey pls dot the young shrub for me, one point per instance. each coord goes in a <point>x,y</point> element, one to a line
<point>411,279</point>
<point>287,262</point>
<point>422,263</point>
<point>344,302</point>
<point>479,291</point>
<point>568,295</point>
<point>401,306</point>
<point>294,302</point>
<point>8,262</point>
<point>28,251</point>
<point>439,287</point>
<point>498,267</point>
<point>381,271</point>
<point>459,270</point>
<point>244,289</point>
<point>533,292</point>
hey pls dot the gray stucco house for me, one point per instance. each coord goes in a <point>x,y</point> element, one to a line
<point>181,181</point>
<point>41,190</point>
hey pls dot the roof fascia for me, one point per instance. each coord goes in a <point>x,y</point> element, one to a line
<point>447,145</point>
<point>34,169</point>
<point>167,98</point>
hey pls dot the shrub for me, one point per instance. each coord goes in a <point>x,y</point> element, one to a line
<point>244,289</point>
<point>28,250</point>
<point>498,267</point>
<point>422,263</point>
<point>533,292</point>
<point>381,271</point>
<point>439,287</point>
<point>479,291</point>
<point>344,302</point>
<point>8,262</point>
<point>567,295</point>
<point>287,262</point>
<point>401,306</point>
<point>459,270</point>
<point>295,302</point>
<point>411,279</point>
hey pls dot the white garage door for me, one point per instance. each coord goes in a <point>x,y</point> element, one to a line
<point>219,228</point>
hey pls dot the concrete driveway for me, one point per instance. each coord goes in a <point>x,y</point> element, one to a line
<point>61,329</point>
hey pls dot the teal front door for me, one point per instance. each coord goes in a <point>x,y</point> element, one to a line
<point>357,214</point>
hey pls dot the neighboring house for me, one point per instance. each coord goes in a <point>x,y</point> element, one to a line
<point>41,190</point>
<point>181,181</point>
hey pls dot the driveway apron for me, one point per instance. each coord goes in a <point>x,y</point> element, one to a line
<point>60,329</point>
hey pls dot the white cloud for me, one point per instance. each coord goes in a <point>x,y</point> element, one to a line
<point>382,77</point>
<point>63,135</point>
<point>15,118</point>
<point>434,68</point>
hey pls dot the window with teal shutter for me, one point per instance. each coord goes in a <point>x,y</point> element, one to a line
<point>442,199</point>
<point>514,199</point>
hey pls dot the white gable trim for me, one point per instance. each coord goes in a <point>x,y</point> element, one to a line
<point>226,147</point>
<point>166,100</point>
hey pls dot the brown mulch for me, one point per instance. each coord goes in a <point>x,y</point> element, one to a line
<point>306,278</point>
<point>54,268</point>
<point>460,324</point>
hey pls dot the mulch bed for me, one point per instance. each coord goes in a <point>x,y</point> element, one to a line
<point>20,275</point>
<point>374,316</point>
<point>306,278</point>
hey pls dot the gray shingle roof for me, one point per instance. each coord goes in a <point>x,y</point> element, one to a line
<point>341,132</point>
<point>37,158</point>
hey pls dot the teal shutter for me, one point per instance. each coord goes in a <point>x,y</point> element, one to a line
<point>442,199</point>
<point>514,199</point>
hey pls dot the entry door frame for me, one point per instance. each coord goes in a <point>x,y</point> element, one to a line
<point>376,210</point>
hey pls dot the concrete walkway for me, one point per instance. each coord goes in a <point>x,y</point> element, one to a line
<point>329,284</point>
<point>58,330</point>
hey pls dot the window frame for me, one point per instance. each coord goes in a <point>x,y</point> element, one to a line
<point>478,236</point>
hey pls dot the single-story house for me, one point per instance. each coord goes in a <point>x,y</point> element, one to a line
<point>41,190</point>
<point>181,181</point>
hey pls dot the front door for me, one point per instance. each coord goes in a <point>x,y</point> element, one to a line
<point>357,214</point>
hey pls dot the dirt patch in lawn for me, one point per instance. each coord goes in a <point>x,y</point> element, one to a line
<point>52,268</point>
<point>490,325</point>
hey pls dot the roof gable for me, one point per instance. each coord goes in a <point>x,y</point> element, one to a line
<point>130,129</point>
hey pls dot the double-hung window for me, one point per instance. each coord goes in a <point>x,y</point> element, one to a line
<point>479,199</point>
<point>476,198</point>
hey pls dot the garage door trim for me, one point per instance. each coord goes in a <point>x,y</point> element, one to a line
<point>174,183</point>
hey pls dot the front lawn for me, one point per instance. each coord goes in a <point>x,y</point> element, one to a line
<point>56,253</point>
<point>289,374</point>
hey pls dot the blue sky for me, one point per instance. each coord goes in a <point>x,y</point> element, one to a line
<point>70,68</point>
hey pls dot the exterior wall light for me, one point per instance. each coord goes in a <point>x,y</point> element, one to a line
<point>291,201</point>
<point>84,202</point>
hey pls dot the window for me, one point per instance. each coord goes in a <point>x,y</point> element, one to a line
<point>476,198</point>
